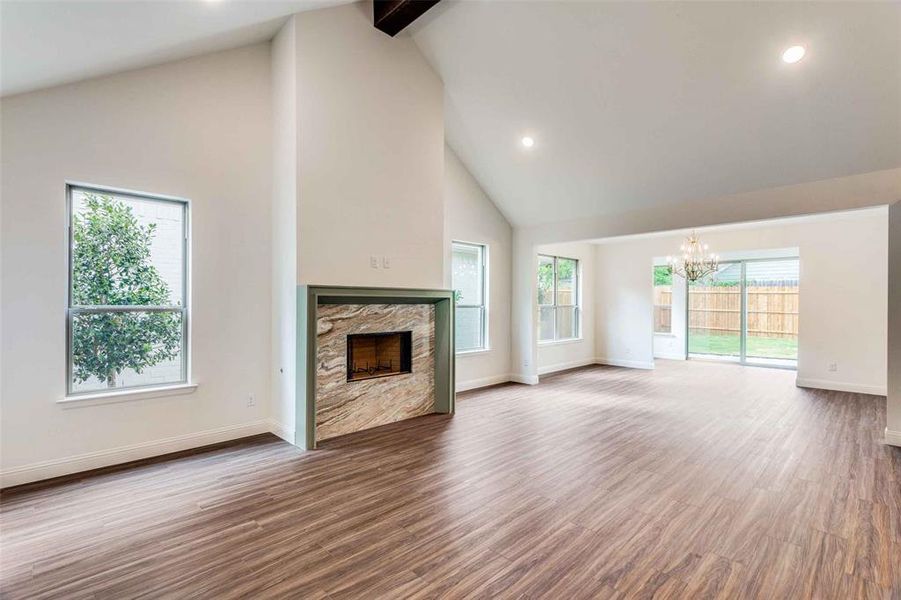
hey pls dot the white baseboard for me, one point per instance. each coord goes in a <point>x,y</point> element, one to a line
<point>630,364</point>
<point>573,364</point>
<point>892,438</point>
<point>473,384</point>
<point>526,379</point>
<point>839,386</point>
<point>665,356</point>
<point>281,430</point>
<point>114,456</point>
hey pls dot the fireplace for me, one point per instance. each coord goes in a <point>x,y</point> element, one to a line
<point>407,337</point>
<point>371,355</point>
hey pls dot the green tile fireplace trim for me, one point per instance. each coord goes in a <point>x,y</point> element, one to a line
<point>309,297</point>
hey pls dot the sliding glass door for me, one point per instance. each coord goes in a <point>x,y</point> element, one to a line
<point>771,292</point>
<point>714,314</point>
<point>747,312</point>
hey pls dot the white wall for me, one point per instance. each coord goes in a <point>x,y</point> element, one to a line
<point>371,154</point>
<point>893,413</point>
<point>471,216</point>
<point>568,354</point>
<point>624,313</point>
<point>284,230</point>
<point>524,310</point>
<point>843,293</point>
<point>198,129</point>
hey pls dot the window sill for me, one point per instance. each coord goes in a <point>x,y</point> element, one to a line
<point>561,342</point>
<point>178,389</point>
<point>471,352</point>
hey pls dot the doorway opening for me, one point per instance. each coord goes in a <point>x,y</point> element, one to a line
<point>747,312</point>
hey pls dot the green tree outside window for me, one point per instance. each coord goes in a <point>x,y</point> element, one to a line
<point>111,266</point>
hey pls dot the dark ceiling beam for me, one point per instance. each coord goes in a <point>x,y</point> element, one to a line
<point>392,16</point>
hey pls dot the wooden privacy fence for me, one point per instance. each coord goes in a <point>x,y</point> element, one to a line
<point>772,309</point>
<point>663,311</point>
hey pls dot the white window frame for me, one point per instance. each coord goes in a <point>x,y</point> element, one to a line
<point>184,309</point>
<point>656,306</point>
<point>577,295</point>
<point>483,252</point>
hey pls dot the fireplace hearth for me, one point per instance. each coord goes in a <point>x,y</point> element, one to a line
<point>372,355</point>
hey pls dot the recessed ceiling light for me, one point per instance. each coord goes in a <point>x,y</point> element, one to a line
<point>793,54</point>
<point>528,142</point>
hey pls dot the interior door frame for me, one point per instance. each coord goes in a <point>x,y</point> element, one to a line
<point>743,319</point>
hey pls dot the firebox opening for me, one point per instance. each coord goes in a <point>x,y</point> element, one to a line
<point>371,355</point>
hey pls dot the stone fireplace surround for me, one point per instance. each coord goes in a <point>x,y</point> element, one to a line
<point>328,405</point>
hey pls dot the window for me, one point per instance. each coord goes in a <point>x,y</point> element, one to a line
<point>663,299</point>
<point>127,315</point>
<point>470,296</point>
<point>558,298</point>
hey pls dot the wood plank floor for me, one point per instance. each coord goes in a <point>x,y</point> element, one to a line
<point>695,480</point>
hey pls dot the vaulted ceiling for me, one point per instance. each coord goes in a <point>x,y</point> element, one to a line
<point>634,105</point>
<point>47,43</point>
<point>631,105</point>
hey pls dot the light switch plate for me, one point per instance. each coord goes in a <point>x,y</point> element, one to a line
<point>374,262</point>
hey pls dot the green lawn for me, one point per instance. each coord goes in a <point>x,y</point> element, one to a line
<point>730,345</point>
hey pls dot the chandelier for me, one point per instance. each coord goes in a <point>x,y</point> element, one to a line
<point>695,261</point>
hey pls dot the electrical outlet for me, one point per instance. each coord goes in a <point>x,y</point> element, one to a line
<point>386,262</point>
<point>833,367</point>
<point>251,401</point>
<point>374,262</point>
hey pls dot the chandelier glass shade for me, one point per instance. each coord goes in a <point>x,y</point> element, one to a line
<point>694,261</point>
